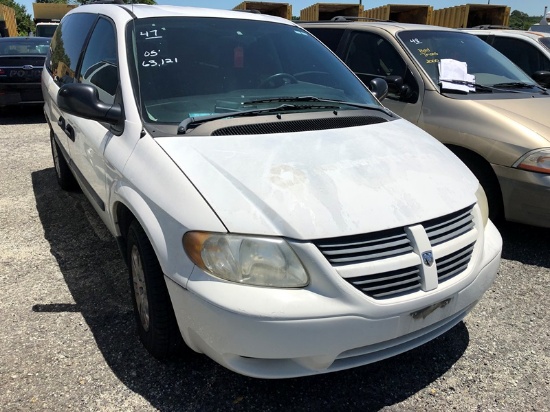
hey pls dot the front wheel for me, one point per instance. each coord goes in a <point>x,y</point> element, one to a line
<point>156,322</point>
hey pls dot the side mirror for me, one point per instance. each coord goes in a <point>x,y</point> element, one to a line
<point>379,88</point>
<point>83,100</point>
<point>542,77</point>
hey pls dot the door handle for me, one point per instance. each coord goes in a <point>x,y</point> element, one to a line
<point>69,131</point>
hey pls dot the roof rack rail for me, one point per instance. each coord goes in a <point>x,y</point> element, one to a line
<point>353,18</point>
<point>492,26</point>
<point>104,2</point>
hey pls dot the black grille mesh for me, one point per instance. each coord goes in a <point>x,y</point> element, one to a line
<point>298,125</point>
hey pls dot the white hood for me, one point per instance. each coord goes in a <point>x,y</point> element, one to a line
<point>327,183</point>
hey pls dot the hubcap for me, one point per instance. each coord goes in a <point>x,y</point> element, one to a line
<point>140,288</point>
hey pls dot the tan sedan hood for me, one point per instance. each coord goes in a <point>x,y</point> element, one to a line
<point>530,113</point>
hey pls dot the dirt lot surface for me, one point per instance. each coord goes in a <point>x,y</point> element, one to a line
<point>67,337</point>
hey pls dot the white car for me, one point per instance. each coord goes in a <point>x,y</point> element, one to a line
<point>529,50</point>
<point>271,211</point>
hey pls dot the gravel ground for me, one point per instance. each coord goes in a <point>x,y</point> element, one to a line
<point>67,338</point>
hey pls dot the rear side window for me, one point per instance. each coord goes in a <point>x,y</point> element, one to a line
<point>524,55</point>
<point>66,46</point>
<point>330,37</point>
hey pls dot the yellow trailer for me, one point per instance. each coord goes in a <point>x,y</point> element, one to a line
<point>283,10</point>
<point>8,25</point>
<point>48,15</point>
<point>471,15</point>
<point>326,11</point>
<point>420,14</point>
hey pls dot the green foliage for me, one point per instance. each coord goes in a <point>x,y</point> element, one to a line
<point>25,25</point>
<point>520,20</point>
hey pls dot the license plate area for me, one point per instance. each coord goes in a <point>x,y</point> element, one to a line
<point>428,310</point>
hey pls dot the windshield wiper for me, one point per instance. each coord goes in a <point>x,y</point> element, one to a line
<point>518,85</point>
<point>195,121</point>
<point>319,99</point>
<point>478,87</point>
<point>522,85</point>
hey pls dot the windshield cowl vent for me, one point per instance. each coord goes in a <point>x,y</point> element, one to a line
<point>298,125</point>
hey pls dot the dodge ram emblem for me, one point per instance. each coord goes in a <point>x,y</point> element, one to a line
<point>428,258</point>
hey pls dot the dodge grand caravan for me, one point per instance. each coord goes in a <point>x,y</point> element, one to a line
<point>273,214</point>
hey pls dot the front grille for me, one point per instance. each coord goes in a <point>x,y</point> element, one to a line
<point>389,245</point>
<point>393,283</point>
<point>298,125</point>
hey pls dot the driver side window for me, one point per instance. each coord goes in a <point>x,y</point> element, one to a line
<point>370,56</point>
<point>100,63</point>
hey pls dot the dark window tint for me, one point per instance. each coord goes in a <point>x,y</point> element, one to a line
<point>66,46</point>
<point>371,54</point>
<point>331,37</point>
<point>100,63</point>
<point>527,57</point>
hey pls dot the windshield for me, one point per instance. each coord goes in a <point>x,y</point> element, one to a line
<point>15,46</point>
<point>488,66</point>
<point>196,67</point>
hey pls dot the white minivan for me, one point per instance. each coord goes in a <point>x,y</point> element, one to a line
<point>272,213</point>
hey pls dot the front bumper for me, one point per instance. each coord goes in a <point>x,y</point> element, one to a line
<point>526,195</point>
<point>267,333</point>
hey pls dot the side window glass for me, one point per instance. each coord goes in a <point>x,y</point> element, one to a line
<point>371,54</point>
<point>100,63</point>
<point>66,46</point>
<point>525,56</point>
<point>330,37</point>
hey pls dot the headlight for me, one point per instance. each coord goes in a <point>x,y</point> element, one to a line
<point>244,259</point>
<point>483,205</point>
<point>535,161</point>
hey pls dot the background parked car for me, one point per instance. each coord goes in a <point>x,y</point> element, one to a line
<point>21,62</point>
<point>499,128</point>
<point>530,50</point>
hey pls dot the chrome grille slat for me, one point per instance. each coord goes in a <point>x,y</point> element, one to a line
<point>455,263</point>
<point>438,235</point>
<point>371,256</point>
<point>381,277</point>
<point>375,246</point>
<point>392,246</point>
<point>394,293</point>
<point>393,285</point>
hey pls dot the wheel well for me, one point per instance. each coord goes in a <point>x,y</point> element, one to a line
<point>124,218</point>
<point>487,177</point>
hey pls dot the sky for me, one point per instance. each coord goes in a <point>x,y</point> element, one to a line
<point>531,7</point>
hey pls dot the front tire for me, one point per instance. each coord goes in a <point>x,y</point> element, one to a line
<point>155,319</point>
